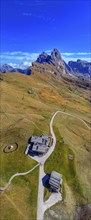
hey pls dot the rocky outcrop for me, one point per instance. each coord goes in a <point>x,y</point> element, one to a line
<point>42,58</point>
<point>74,68</point>
<point>80,66</point>
<point>56,60</point>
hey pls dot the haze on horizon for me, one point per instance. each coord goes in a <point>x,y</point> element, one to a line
<point>30,27</point>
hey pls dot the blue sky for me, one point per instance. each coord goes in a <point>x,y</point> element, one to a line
<point>29,27</point>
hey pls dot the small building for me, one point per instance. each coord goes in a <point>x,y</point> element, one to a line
<point>40,148</point>
<point>36,139</point>
<point>55,181</point>
<point>46,139</point>
<point>43,139</point>
<point>38,145</point>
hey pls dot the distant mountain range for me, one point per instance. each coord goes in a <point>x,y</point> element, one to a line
<point>7,68</point>
<point>54,64</point>
<point>80,66</point>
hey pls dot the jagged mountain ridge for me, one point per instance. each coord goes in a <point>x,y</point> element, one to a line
<point>73,68</point>
<point>54,64</point>
<point>80,66</point>
<point>56,60</point>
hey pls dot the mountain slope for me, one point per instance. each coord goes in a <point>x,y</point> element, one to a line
<point>24,114</point>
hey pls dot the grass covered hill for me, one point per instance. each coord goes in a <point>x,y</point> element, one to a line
<point>27,105</point>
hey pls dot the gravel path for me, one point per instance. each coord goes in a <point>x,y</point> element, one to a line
<point>17,174</point>
<point>55,197</point>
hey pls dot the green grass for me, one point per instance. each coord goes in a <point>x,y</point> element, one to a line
<point>63,165</point>
<point>46,194</point>
<point>22,195</point>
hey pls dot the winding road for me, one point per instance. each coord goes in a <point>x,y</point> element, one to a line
<point>55,197</point>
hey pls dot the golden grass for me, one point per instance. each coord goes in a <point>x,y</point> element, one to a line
<point>23,115</point>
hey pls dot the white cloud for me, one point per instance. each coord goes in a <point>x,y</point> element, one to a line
<point>67,54</point>
<point>12,53</point>
<point>67,59</point>
<point>33,56</point>
<point>19,55</point>
<point>84,53</point>
<point>75,54</point>
<point>12,64</point>
<point>17,58</point>
<point>24,65</point>
<point>27,63</point>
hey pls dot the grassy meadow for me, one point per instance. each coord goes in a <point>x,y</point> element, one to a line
<point>22,115</point>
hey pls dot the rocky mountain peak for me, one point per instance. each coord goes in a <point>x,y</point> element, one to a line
<point>42,57</point>
<point>54,58</point>
<point>55,55</point>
